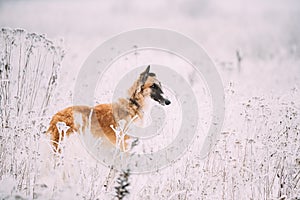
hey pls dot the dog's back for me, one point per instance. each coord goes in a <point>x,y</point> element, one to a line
<point>78,119</point>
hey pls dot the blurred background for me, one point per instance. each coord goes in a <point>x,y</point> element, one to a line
<point>255,45</point>
<point>260,37</point>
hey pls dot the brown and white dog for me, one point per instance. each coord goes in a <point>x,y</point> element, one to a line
<point>99,119</point>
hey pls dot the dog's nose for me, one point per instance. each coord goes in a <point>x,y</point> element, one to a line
<point>167,102</point>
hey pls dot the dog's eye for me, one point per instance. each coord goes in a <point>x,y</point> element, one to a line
<point>153,86</point>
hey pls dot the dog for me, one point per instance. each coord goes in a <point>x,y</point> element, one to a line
<point>100,119</point>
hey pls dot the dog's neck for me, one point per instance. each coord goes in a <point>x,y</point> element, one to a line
<point>128,108</point>
<point>136,99</point>
<point>134,104</point>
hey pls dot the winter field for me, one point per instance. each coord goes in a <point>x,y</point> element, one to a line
<point>255,46</point>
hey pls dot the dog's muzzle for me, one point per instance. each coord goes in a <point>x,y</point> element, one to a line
<point>163,101</point>
<point>160,99</point>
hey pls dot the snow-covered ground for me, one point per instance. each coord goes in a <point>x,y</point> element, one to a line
<point>258,153</point>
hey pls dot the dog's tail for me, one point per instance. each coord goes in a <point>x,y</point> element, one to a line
<point>53,133</point>
<point>61,124</point>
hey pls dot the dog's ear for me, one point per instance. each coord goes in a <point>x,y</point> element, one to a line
<point>144,75</point>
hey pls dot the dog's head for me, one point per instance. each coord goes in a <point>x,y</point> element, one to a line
<point>148,85</point>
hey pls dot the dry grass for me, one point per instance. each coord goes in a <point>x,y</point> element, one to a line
<point>256,157</point>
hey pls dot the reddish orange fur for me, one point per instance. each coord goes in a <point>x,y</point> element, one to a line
<point>101,120</point>
<point>102,115</point>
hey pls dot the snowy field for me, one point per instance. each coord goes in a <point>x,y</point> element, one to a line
<point>256,49</point>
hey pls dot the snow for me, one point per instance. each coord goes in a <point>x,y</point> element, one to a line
<point>256,48</point>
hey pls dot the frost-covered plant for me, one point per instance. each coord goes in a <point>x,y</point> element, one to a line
<point>121,189</point>
<point>257,157</point>
<point>29,66</point>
